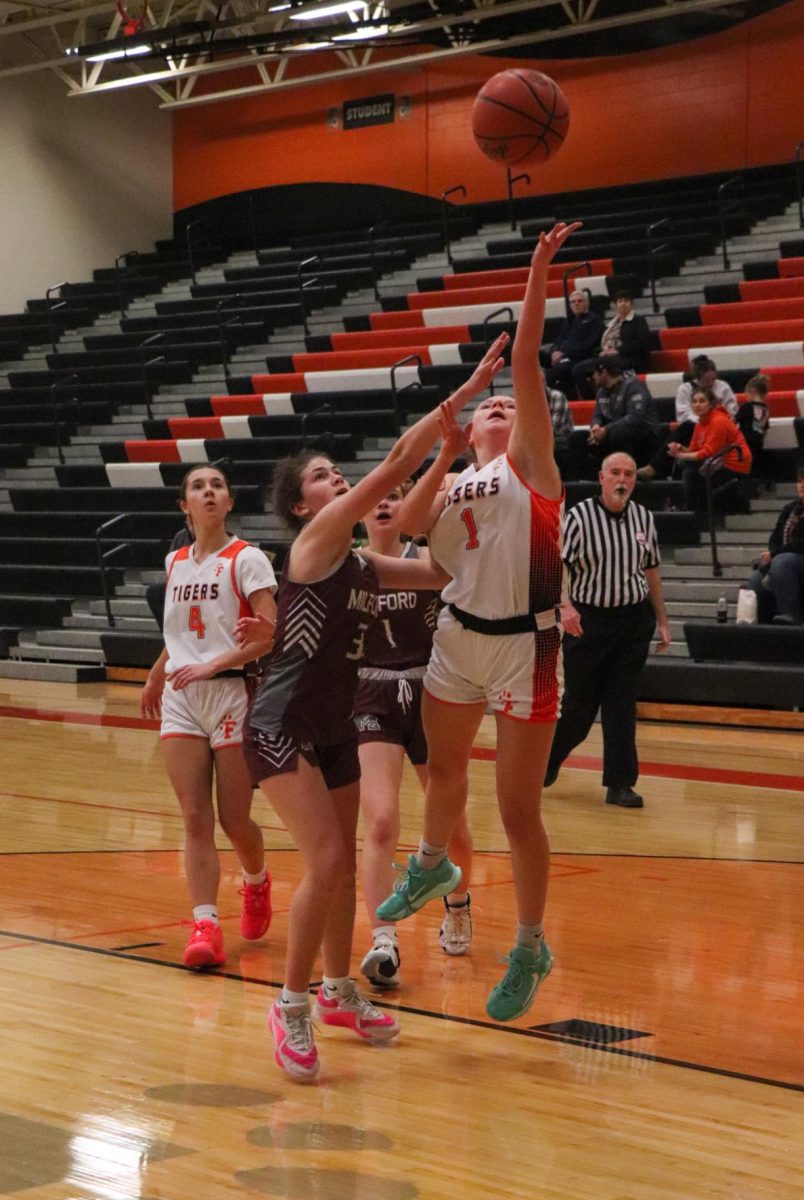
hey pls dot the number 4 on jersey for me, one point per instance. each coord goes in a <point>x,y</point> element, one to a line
<point>195,624</point>
<point>468,518</point>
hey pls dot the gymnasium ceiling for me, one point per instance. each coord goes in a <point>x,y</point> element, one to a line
<point>187,50</point>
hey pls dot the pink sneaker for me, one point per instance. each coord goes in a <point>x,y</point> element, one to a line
<point>294,1048</point>
<point>255,915</point>
<point>205,947</point>
<point>357,1013</point>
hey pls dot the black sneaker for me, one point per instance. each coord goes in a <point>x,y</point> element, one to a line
<point>624,797</point>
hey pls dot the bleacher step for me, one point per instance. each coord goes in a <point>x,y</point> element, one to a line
<point>59,654</point>
<point>51,672</point>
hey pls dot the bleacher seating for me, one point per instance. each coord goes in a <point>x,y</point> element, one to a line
<point>755,325</point>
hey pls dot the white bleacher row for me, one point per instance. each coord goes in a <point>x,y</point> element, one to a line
<point>475,314</point>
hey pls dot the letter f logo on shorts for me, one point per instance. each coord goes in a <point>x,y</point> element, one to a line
<point>227,726</point>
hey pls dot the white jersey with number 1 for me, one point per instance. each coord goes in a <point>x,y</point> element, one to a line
<point>204,602</point>
<point>501,542</point>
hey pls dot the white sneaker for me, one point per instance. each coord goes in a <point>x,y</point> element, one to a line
<point>455,934</point>
<point>381,965</point>
<point>294,1047</point>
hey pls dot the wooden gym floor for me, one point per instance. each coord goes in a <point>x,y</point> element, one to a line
<point>663,1059</point>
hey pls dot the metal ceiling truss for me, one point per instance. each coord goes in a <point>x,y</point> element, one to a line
<point>194,39</point>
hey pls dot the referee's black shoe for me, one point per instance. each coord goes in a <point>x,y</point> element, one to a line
<point>624,797</point>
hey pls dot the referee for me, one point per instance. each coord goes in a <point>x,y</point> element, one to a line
<point>612,558</point>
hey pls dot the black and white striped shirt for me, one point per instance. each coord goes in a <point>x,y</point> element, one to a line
<point>608,553</point>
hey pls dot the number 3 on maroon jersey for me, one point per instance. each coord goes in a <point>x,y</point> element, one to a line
<point>195,623</point>
<point>468,518</point>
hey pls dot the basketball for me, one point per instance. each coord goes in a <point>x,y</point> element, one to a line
<point>520,115</point>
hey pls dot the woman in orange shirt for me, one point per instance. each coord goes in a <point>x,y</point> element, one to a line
<point>713,432</point>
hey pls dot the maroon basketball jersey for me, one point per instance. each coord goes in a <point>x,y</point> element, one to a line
<point>309,687</point>
<point>402,635</point>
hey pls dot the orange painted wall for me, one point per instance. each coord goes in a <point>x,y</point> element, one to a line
<point>718,103</point>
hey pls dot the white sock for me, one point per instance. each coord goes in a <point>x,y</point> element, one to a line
<point>530,936</point>
<point>256,880</point>
<point>429,856</point>
<point>206,912</point>
<point>385,931</point>
<point>340,987</point>
<point>457,899</point>
<point>290,999</point>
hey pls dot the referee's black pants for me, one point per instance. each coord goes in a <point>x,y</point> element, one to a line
<point>601,671</point>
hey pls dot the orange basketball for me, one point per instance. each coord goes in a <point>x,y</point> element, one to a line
<point>519,115</point>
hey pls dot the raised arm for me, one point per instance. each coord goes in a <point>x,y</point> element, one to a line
<point>531,445</point>
<point>324,541</point>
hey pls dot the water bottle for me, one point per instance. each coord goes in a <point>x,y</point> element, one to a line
<point>722,610</point>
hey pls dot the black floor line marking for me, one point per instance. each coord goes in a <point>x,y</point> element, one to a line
<point>137,946</point>
<point>423,1012</point>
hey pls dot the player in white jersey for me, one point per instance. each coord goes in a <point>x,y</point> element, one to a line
<point>495,530</point>
<point>198,688</point>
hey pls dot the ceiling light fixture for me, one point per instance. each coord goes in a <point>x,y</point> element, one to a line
<point>330,10</point>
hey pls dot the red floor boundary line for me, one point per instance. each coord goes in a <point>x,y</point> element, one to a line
<point>583,762</point>
<point>792,783</point>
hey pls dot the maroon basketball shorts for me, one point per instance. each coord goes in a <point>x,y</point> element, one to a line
<point>388,708</point>
<point>268,755</point>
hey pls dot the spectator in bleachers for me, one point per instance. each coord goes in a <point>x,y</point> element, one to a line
<point>578,339</point>
<point>715,433</point>
<point>624,419</point>
<point>627,336</point>
<point>703,374</point>
<point>778,576</point>
<point>563,428</point>
<point>753,417</point>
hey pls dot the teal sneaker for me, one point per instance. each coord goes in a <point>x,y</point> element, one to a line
<point>416,886</point>
<point>517,989</point>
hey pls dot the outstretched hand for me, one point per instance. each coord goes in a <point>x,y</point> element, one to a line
<point>454,439</point>
<point>490,364</point>
<point>550,243</point>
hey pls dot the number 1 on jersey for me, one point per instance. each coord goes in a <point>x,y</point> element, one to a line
<point>468,518</point>
<point>195,623</point>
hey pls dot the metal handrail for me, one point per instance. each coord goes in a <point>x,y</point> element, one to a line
<point>459,187</point>
<point>498,312</point>
<point>121,299</point>
<point>314,412</point>
<point>237,298</point>
<point>797,161</point>
<point>707,468</point>
<point>54,404</point>
<point>565,276</point>
<point>103,557</point>
<point>512,179</point>
<point>721,192</point>
<point>149,341</point>
<point>417,358</point>
<point>189,242</point>
<point>372,230</point>
<point>50,308</point>
<point>653,254</point>
<point>302,285</point>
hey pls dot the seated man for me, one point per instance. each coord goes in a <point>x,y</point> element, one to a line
<point>563,429</point>
<point>626,335</point>
<point>702,375</point>
<point>578,338</point>
<point>624,419</point>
